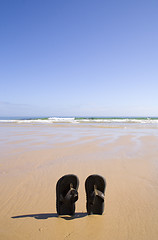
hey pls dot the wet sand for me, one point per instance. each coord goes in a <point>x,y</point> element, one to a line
<point>34,157</point>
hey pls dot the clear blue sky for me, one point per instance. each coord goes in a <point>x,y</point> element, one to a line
<point>78,58</point>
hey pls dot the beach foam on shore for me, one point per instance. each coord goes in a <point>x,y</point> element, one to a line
<point>115,121</point>
<point>34,157</point>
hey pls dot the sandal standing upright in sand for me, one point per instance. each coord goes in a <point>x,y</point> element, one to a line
<point>66,194</point>
<point>95,188</point>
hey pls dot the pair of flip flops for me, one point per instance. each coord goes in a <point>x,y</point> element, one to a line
<point>67,195</point>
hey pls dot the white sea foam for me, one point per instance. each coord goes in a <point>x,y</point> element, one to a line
<point>52,120</point>
<point>122,120</point>
<point>40,120</point>
<point>60,119</point>
<point>25,121</point>
<point>8,121</point>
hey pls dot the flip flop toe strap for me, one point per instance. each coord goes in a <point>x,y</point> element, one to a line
<point>95,193</point>
<point>99,194</point>
<point>71,196</point>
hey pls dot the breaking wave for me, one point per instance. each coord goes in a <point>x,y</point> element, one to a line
<point>73,120</point>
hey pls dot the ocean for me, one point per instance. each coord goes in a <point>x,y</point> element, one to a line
<point>151,122</point>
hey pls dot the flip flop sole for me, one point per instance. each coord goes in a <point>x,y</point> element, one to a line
<point>62,188</point>
<point>95,202</point>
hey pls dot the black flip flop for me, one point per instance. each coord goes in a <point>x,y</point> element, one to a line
<point>66,194</point>
<point>95,187</point>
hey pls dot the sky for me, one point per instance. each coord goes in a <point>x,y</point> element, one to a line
<point>78,58</point>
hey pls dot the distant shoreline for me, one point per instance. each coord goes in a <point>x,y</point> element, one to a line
<point>79,117</point>
<point>114,122</point>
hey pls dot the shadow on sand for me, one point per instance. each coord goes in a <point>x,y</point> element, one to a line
<point>52,215</point>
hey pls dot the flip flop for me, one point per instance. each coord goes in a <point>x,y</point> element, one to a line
<point>95,187</point>
<point>66,194</point>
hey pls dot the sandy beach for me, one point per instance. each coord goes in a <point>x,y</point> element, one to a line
<point>34,156</point>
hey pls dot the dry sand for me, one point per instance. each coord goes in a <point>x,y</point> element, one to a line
<point>34,157</point>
